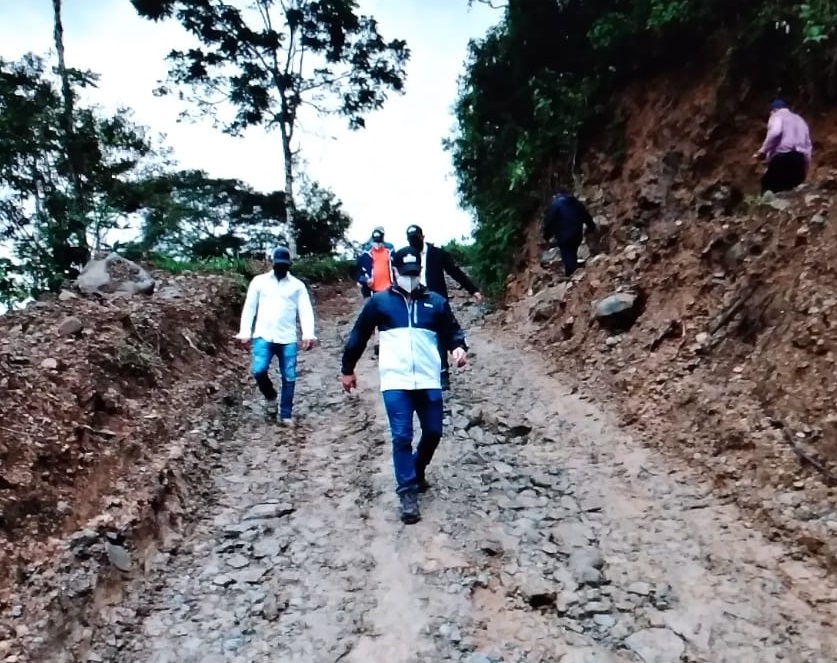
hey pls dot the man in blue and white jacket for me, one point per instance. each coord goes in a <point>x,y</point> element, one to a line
<point>268,321</point>
<point>413,323</point>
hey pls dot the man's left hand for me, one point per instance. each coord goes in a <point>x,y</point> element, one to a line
<point>308,343</point>
<point>478,297</point>
<point>460,357</point>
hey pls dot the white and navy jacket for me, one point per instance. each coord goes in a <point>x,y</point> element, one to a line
<point>412,333</point>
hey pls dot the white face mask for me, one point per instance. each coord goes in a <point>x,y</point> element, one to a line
<point>408,283</point>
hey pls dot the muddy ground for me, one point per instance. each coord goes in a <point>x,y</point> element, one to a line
<point>548,535</point>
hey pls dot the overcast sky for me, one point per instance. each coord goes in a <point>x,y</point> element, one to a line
<point>393,173</point>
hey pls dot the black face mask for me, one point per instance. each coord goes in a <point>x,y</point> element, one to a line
<point>416,241</point>
<point>280,271</point>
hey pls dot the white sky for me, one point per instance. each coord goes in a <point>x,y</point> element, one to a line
<point>393,173</point>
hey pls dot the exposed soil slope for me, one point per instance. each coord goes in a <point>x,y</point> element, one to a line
<point>731,365</point>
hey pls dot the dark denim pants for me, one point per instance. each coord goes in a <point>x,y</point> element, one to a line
<point>400,406</point>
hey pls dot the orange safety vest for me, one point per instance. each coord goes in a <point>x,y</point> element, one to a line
<point>381,269</point>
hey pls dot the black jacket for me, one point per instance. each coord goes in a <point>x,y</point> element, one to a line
<point>565,220</point>
<point>440,262</point>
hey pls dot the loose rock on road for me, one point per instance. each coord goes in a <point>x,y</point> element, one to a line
<point>547,537</point>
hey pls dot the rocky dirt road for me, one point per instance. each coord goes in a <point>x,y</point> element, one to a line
<point>547,537</point>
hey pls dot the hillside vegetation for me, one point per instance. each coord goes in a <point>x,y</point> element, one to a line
<point>545,83</point>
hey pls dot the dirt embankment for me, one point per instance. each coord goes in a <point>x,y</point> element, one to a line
<point>94,392</point>
<point>731,362</point>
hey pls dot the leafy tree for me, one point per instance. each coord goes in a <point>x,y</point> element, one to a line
<point>190,215</point>
<point>321,222</point>
<point>267,60</point>
<point>38,213</point>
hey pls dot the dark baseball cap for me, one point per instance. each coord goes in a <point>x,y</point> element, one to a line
<point>414,230</point>
<point>378,236</point>
<point>407,261</point>
<point>281,256</point>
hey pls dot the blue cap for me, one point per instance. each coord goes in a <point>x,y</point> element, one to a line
<point>281,256</point>
<point>778,104</point>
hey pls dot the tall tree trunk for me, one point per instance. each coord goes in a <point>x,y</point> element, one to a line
<point>290,203</point>
<point>76,222</point>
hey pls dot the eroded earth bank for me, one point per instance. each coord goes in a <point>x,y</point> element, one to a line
<point>548,535</point>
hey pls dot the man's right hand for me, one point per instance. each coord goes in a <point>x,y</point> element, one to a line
<point>349,382</point>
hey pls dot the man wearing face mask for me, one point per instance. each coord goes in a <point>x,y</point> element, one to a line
<point>268,321</point>
<point>436,262</point>
<point>374,265</point>
<point>413,323</point>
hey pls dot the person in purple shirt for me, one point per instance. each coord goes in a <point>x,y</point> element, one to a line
<point>787,149</point>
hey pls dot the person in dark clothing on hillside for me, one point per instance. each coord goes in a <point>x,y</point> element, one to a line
<point>435,263</point>
<point>564,224</point>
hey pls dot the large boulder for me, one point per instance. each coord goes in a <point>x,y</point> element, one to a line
<point>114,274</point>
<point>618,311</point>
<point>548,302</point>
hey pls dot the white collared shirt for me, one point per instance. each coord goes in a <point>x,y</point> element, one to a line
<point>271,309</point>
<point>422,277</point>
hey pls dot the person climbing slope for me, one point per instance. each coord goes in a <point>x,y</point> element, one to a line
<point>787,148</point>
<point>564,224</point>
<point>413,323</point>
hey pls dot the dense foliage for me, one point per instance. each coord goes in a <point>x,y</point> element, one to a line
<point>50,221</point>
<point>54,214</point>
<point>546,75</point>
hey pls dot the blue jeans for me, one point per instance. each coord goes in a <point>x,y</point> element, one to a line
<point>400,405</point>
<point>263,353</point>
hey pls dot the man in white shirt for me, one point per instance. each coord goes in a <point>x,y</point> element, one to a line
<point>274,301</point>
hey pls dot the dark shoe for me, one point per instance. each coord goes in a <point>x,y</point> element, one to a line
<point>423,486</point>
<point>409,509</point>
<point>270,409</point>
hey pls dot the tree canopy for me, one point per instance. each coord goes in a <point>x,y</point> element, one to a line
<point>259,62</point>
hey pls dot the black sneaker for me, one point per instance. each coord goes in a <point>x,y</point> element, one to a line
<point>409,509</point>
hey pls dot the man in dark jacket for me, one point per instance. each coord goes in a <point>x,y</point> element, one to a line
<point>436,262</point>
<point>564,225</point>
<point>413,323</point>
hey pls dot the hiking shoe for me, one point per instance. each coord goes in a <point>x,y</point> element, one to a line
<point>270,409</point>
<point>409,508</point>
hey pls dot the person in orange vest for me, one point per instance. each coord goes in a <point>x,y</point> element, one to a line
<point>375,265</point>
<point>375,268</point>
